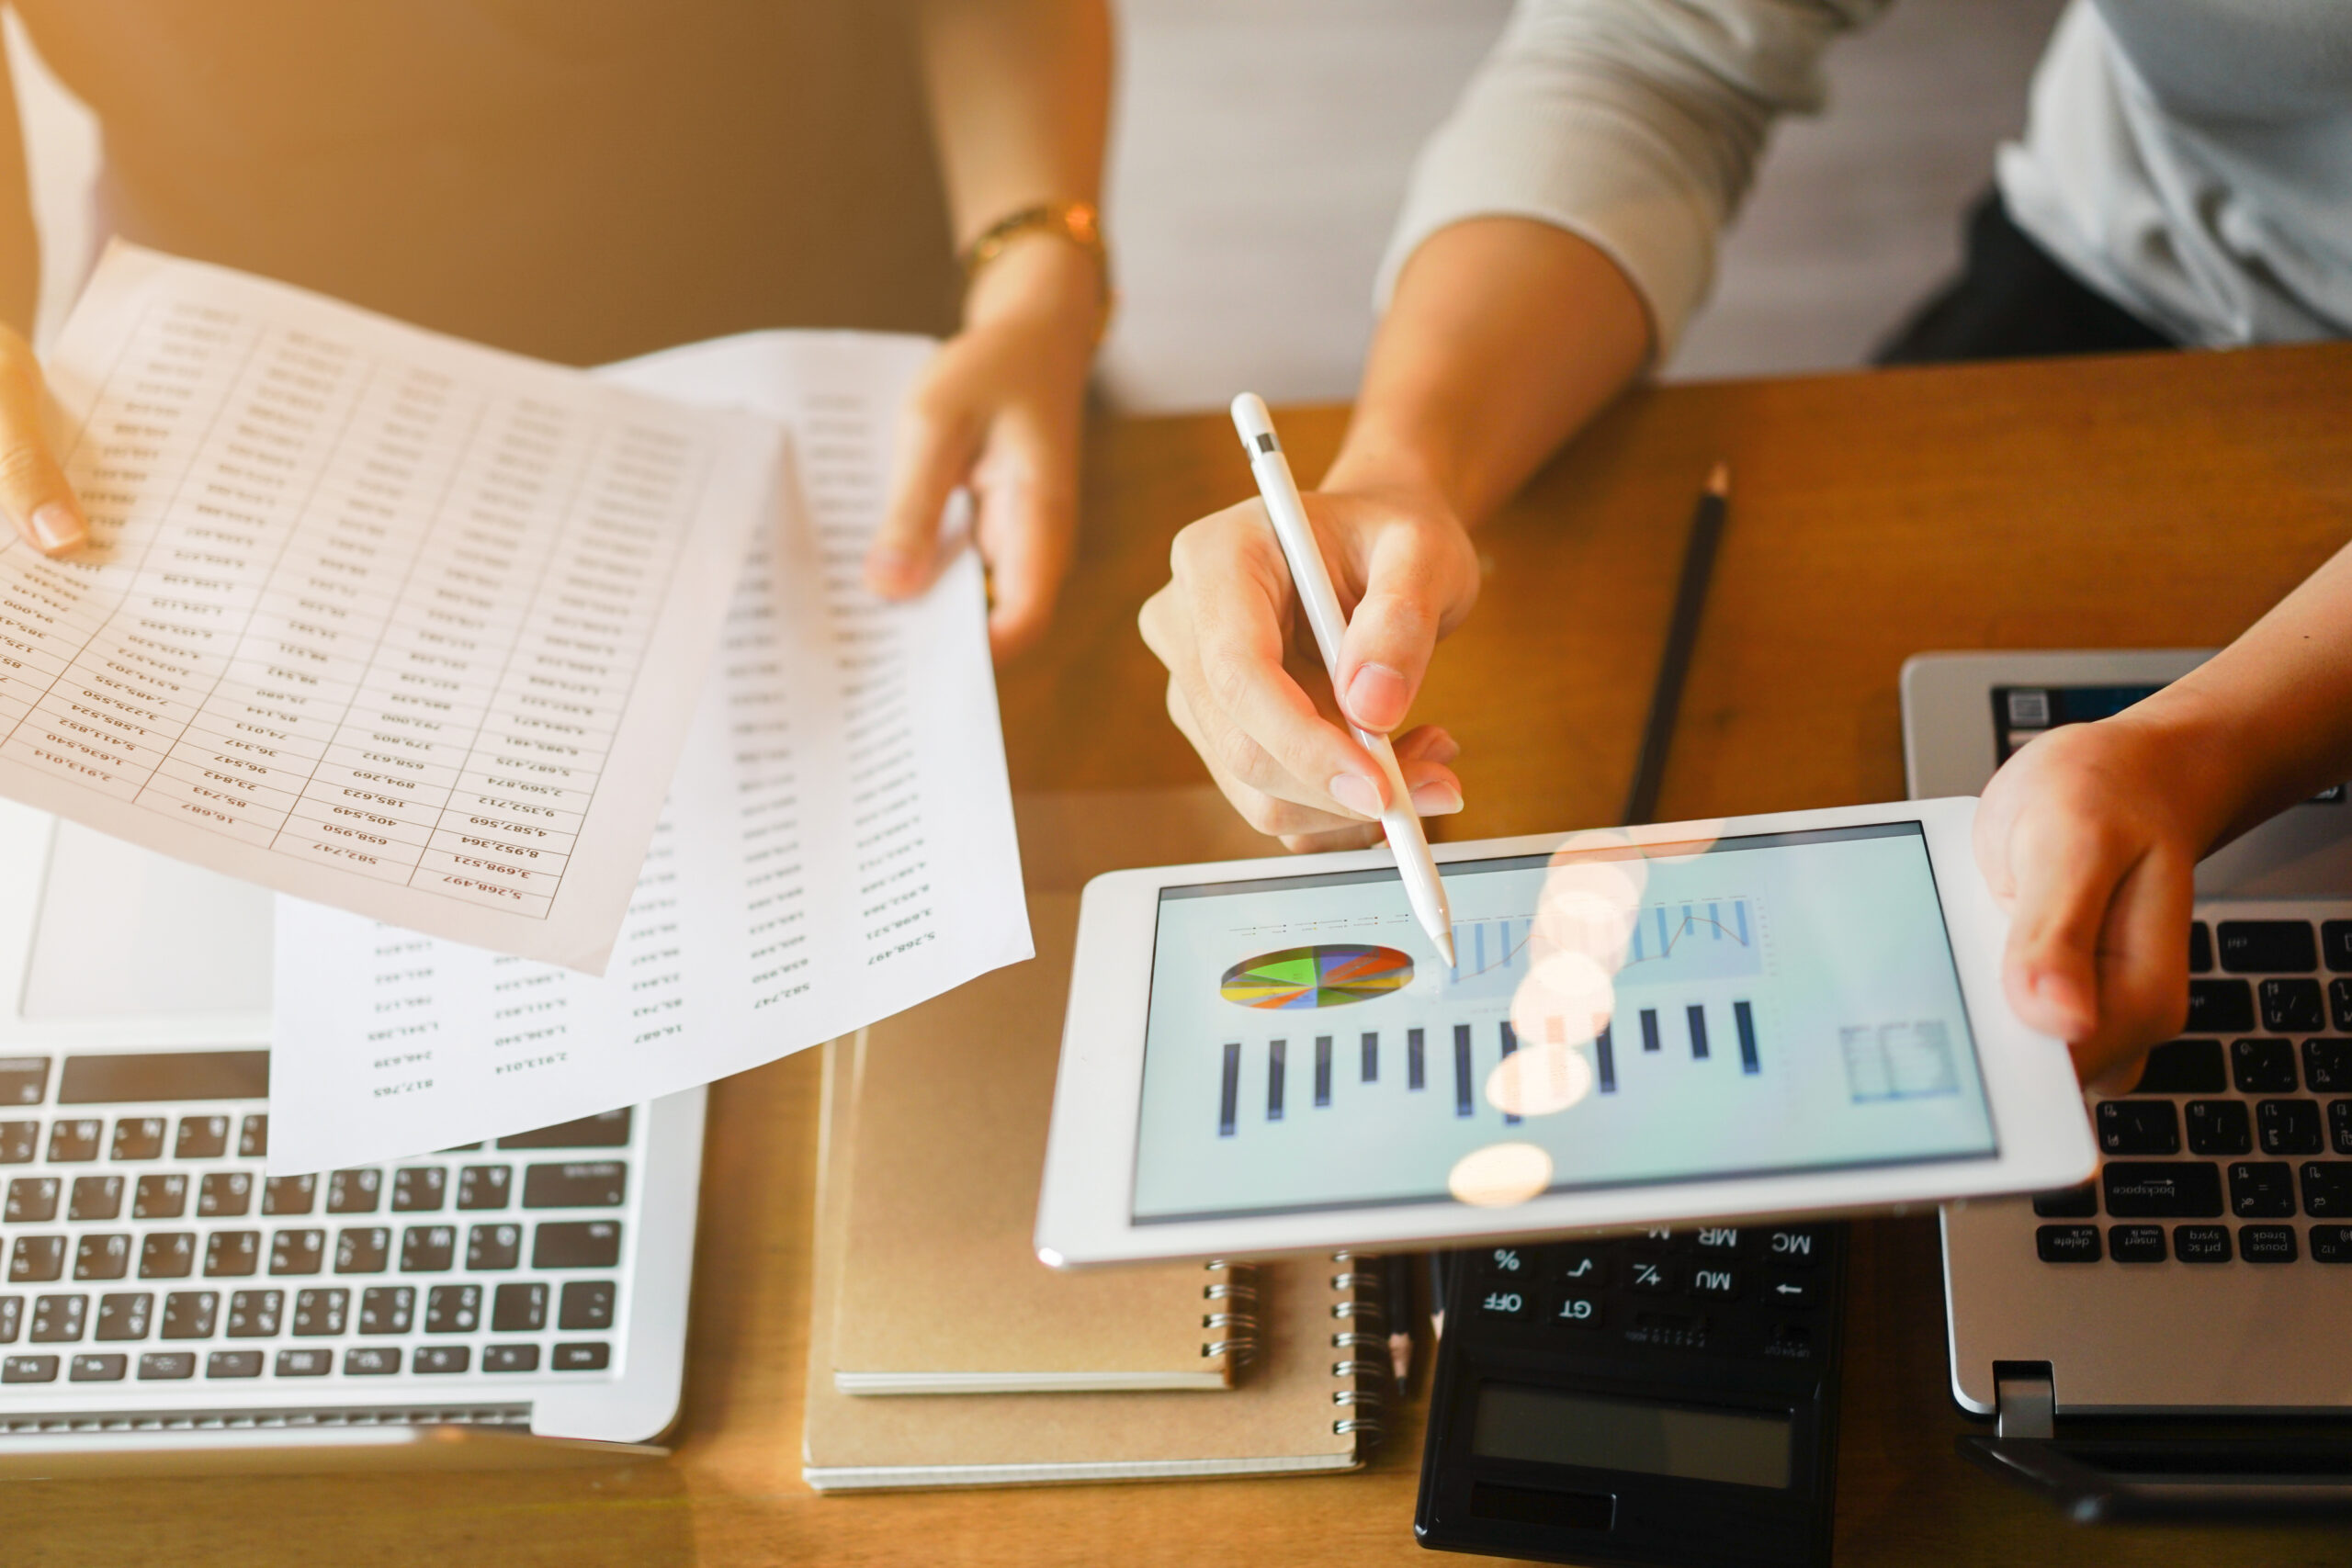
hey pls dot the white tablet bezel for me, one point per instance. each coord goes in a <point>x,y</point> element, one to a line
<point>1084,1213</point>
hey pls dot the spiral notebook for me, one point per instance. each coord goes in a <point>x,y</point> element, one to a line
<point>952,1098</point>
<point>1310,1399</point>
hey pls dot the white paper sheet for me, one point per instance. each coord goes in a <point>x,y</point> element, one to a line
<point>373,616</point>
<point>838,846</point>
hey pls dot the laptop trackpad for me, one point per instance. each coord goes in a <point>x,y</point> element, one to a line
<point>124,932</point>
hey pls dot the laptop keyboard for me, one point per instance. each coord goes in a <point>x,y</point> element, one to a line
<point>144,1243</point>
<point>2235,1146</point>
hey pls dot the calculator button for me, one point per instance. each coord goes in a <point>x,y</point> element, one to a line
<point>2332,1243</point>
<point>23,1080</point>
<point>232,1364</point>
<point>2292,1007</point>
<point>2136,1244</point>
<point>99,1369</point>
<point>581,1358</point>
<point>29,1369</point>
<point>2328,1067</point>
<point>253,1138</point>
<point>1802,1247</point>
<point>17,1142</point>
<point>2220,1127</point>
<point>1716,1240</point>
<point>138,1137</point>
<point>255,1315</point>
<point>288,1194</point>
<point>166,1255</point>
<point>1651,1275</point>
<point>1651,1241</point>
<point>2262,1190</point>
<point>2184,1067</point>
<point>103,1257</point>
<point>304,1363</point>
<point>372,1360</point>
<point>428,1249</point>
<point>483,1186</point>
<point>1793,1290</point>
<point>2138,1127</point>
<point>36,1258</point>
<point>232,1253</point>
<point>318,1313</point>
<point>123,1315</point>
<point>353,1191</point>
<point>224,1195</point>
<point>159,1197</point>
<point>1585,1267</point>
<point>494,1247</point>
<point>510,1359</point>
<point>2220,1007</point>
<point>96,1198</point>
<point>2161,1189</point>
<point>2289,1126</point>
<point>441,1358</point>
<point>519,1309</point>
<point>2263,1067</point>
<point>1574,1310</point>
<point>586,1304</point>
<point>201,1137</point>
<point>577,1244</point>
<point>1714,1281</point>
<point>2067,1243</point>
<point>387,1309</point>
<point>609,1130</point>
<point>2267,947</point>
<point>597,1184</point>
<point>363,1249</point>
<point>457,1309</point>
<point>419,1189</point>
<point>1506,1263</point>
<point>2327,1187</point>
<point>2266,1244</point>
<point>58,1318</point>
<point>167,1365</point>
<point>32,1200</point>
<point>1506,1302</point>
<point>75,1141</point>
<point>188,1314</point>
<point>297,1252</point>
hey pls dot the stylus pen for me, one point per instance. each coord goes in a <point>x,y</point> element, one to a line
<point>1312,579</point>
<point>1681,634</point>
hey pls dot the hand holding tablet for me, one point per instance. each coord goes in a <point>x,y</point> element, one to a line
<point>1780,1014</point>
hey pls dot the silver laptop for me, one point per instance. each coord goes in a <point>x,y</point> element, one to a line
<point>2209,1262</point>
<point>166,1305</point>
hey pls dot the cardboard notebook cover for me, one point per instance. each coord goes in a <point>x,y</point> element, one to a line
<point>1309,1400</point>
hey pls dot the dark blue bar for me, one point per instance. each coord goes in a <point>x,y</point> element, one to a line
<point>1274,1053</point>
<point>1322,1069</point>
<point>1698,1016</point>
<point>1649,1029</point>
<point>1608,1056</point>
<point>1461,1069</point>
<point>1747,1021</point>
<point>1372,1058</point>
<point>1228,1096</point>
<point>1510,1045</point>
<point>1414,1076</point>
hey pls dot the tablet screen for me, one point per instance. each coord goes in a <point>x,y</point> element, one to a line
<point>1617,1015</point>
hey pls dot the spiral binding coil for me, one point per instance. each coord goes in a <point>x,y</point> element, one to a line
<point>1238,1330</point>
<point>1347,1338</point>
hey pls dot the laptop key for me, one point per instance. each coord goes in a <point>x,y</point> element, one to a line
<point>419,1189</point>
<point>2202,1243</point>
<point>288,1194</point>
<point>2292,1007</point>
<point>23,1080</point>
<point>2220,1127</point>
<point>201,1137</point>
<point>73,1141</point>
<point>510,1359</point>
<point>2339,1125</point>
<point>2267,947</point>
<point>160,1196</point>
<point>253,1138</point>
<point>2332,1243</point>
<point>428,1249</point>
<point>37,1260</point>
<point>595,1184</point>
<point>363,1249</point>
<point>96,1198</point>
<point>607,1131</point>
<point>588,1303</point>
<point>224,1195</point>
<point>441,1358</point>
<point>99,1369</point>
<point>58,1318</point>
<point>453,1309</point>
<point>166,1255</point>
<point>101,1256</point>
<point>2289,1126</point>
<point>2266,1244</point>
<point>494,1247</point>
<point>2328,1066</point>
<point>353,1191</point>
<point>304,1363</point>
<point>19,1139</point>
<point>387,1309</point>
<point>2335,943</point>
<point>2263,1067</point>
<point>138,1137</point>
<point>2136,1244</point>
<point>297,1252</point>
<point>32,1200</point>
<point>592,1357</point>
<point>2327,1187</point>
<point>2261,1190</point>
<point>2220,1007</point>
<point>519,1309</point>
<point>2069,1203</point>
<point>484,1186</point>
<point>2201,948</point>
<point>123,1315</point>
<point>255,1315</point>
<point>321,1312</point>
<point>232,1364</point>
<point>2138,1127</point>
<point>232,1253</point>
<point>2184,1067</point>
<point>2339,1005</point>
<point>29,1369</point>
<point>12,1318</point>
<point>2161,1189</point>
<point>372,1360</point>
<point>168,1365</point>
<point>579,1243</point>
<point>2066,1243</point>
<point>189,1315</point>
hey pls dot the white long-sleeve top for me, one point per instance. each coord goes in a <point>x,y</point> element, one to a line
<point>2190,159</point>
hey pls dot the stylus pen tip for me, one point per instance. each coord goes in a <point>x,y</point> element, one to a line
<point>1446,949</point>
<point>1719,478</point>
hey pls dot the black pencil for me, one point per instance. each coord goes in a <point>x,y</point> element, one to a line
<point>1681,634</point>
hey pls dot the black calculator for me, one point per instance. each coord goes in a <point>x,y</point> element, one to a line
<point>1665,1398</point>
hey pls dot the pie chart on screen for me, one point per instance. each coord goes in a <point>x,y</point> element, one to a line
<point>1326,976</point>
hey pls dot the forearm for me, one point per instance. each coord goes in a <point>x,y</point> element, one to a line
<point>1504,336</point>
<point>2267,721</point>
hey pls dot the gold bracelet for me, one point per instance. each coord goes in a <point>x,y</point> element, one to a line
<point>1077,221</point>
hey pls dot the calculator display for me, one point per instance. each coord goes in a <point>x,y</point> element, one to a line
<point>1616,1015</point>
<point>1547,1426</point>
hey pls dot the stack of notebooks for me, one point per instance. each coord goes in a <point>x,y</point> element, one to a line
<point>942,1353</point>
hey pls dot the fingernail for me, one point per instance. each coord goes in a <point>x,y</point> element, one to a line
<point>1376,697</point>
<point>1434,799</point>
<point>56,526</point>
<point>1356,793</point>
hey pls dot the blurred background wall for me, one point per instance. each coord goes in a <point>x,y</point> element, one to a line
<point>1261,146</point>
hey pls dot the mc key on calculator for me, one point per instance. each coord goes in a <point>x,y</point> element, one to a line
<point>1664,1398</point>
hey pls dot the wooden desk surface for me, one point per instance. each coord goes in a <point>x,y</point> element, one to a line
<point>2150,500</point>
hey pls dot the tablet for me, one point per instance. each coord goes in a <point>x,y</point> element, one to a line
<point>1795,1013</point>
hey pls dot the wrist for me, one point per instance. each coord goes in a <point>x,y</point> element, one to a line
<point>1040,277</point>
<point>2207,769</point>
<point>1373,463</point>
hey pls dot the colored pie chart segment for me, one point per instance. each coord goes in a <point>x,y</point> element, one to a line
<point>1324,977</point>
